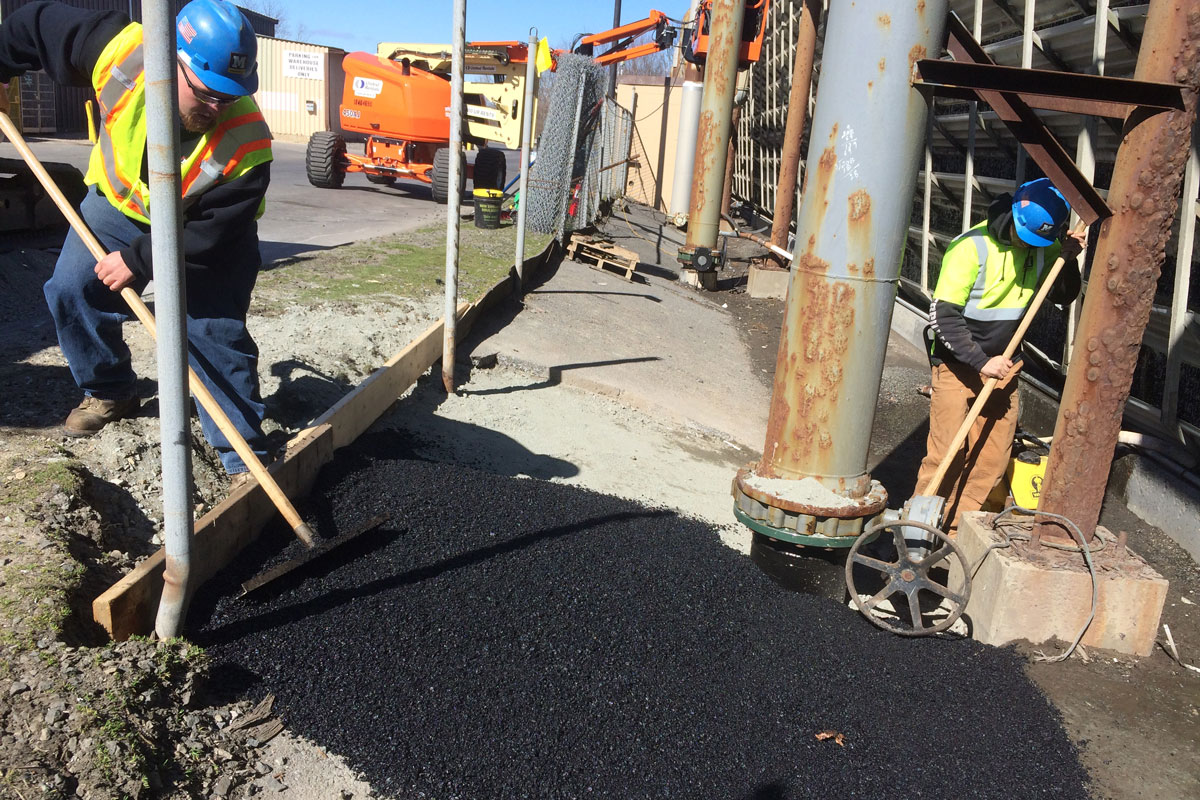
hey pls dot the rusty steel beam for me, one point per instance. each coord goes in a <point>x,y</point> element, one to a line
<point>730,160</point>
<point>1128,258</point>
<point>1096,108</point>
<point>789,166</point>
<point>1024,124</point>
<point>1089,91</point>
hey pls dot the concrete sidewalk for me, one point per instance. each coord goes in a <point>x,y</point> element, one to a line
<point>657,345</point>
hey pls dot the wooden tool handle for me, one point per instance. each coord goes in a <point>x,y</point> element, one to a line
<point>977,407</point>
<point>203,395</point>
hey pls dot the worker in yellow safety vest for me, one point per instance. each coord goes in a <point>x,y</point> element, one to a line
<point>988,277</point>
<point>225,173</point>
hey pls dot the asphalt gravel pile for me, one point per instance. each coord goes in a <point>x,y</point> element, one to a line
<point>505,637</point>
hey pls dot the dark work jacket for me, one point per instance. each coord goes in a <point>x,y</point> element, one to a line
<point>220,233</point>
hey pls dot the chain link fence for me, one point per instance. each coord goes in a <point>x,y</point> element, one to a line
<point>583,151</point>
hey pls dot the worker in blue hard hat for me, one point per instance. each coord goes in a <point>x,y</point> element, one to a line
<point>988,277</point>
<point>225,172</point>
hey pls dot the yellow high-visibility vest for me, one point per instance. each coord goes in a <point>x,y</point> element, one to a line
<point>238,141</point>
<point>992,281</point>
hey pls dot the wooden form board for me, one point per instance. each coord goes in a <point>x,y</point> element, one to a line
<point>129,606</point>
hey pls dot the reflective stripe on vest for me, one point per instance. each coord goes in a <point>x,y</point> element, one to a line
<point>992,272</point>
<point>238,142</point>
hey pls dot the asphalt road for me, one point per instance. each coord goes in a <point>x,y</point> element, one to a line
<point>300,217</point>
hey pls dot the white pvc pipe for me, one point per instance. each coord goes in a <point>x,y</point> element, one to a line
<point>685,147</point>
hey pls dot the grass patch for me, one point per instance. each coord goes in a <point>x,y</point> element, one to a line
<point>411,264</point>
<point>25,484</point>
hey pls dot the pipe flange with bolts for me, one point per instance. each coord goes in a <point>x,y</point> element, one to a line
<point>804,511</point>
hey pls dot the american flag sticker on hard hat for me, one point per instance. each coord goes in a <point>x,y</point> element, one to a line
<point>186,30</point>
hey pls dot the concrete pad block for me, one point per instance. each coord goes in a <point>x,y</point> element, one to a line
<point>699,280</point>
<point>1039,594</point>
<point>769,282</point>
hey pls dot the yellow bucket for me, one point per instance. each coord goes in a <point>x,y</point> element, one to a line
<point>1025,473</point>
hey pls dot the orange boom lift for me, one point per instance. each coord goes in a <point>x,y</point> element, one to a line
<point>399,99</point>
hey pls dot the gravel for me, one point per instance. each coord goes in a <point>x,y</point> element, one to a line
<point>505,637</point>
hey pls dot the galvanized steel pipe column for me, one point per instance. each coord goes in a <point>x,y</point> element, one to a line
<point>867,136</point>
<point>526,143</point>
<point>793,130</point>
<point>712,137</point>
<point>170,307</point>
<point>1128,259</point>
<point>454,204</point>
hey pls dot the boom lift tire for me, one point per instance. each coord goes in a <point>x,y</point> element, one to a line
<point>323,160</point>
<point>439,175</point>
<point>490,169</point>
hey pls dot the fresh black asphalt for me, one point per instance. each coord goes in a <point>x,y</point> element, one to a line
<point>505,637</point>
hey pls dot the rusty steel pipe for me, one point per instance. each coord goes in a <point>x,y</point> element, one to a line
<point>793,130</point>
<point>867,134</point>
<point>712,133</point>
<point>727,184</point>
<point>1128,257</point>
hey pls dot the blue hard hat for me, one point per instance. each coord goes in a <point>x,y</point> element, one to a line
<point>1039,212</point>
<point>215,40</point>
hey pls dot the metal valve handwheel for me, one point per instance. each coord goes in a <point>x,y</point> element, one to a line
<point>910,576</point>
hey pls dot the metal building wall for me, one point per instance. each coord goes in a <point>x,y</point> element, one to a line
<point>972,158</point>
<point>294,87</point>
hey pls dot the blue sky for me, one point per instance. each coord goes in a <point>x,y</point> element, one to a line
<point>361,24</point>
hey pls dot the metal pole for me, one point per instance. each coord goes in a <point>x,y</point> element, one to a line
<point>1026,63</point>
<point>166,216</point>
<point>712,139</point>
<point>972,125</point>
<point>730,157</point>
<point>927,200</point>
<point>793,130</point>
<point>866,143</point>
<point>628,148</point>
<point>1179,297</point>
<point>454,206</point>
<point>526,143</point>
<point>612,71</point>
<point>1128,258</point>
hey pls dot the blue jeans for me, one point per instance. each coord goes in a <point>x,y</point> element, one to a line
<point>88,316</point>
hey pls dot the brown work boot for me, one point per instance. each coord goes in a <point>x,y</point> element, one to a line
<point>93,414</point>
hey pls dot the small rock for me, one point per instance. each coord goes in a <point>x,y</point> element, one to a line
<point>17,688</point>
<point>222,786</point>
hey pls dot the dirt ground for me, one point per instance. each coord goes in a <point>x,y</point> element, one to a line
<point>76,514</point>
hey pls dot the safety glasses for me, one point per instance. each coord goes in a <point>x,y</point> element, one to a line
<point>203,94</point>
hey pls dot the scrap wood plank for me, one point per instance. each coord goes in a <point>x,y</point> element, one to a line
<point>129,607</point>
<point>603,255</point>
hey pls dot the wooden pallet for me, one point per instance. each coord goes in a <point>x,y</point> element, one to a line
<point>603,255</point>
